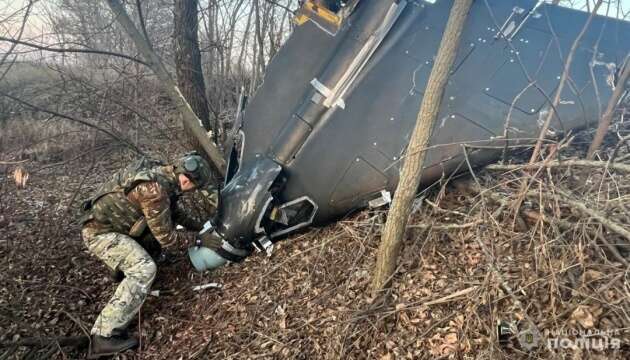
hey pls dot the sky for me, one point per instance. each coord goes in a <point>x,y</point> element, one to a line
<point>11,12</point>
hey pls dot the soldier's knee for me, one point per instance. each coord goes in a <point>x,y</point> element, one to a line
<point>150,270</point>
<point>144,271</point>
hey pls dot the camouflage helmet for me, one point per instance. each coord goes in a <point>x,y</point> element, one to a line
<point>195,168</point>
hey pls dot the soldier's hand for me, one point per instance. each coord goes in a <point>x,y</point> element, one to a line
<point>166,258</point>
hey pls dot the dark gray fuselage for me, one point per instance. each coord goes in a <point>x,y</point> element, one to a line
<point>347,156</point>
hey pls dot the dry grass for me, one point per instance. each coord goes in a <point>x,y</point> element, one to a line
<point>40,140</point>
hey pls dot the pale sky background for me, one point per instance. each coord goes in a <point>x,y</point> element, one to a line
<point>11,12</point>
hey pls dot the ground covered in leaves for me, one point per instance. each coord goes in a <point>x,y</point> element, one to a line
<point>552,272</point>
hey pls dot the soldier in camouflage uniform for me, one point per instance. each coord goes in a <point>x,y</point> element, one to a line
<point>137,203</point>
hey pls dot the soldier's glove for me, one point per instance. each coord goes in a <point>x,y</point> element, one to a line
<point>212,251</point>
<point>166,258</point>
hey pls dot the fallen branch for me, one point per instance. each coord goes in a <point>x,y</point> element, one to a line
<point>467,186</point>
<point>207,286</point>
<point>438,301</point>
<point>446,227</point>
<point>565,225</point>
<point>585,209</point>
<point>450,297</point>
<point>556,163</point>
<point>613,250</point>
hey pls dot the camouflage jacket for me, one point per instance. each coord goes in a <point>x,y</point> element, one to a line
<point>129,203</point>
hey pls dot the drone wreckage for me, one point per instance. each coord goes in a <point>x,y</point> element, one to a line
<point>326,131</point>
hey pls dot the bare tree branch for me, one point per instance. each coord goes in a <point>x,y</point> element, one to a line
<point>71,50</point>
<point>606,119</point>
<point>563,80</point>
<point>143,25</point>
<point>67,117</point>
<point>19,36</point>
<point>286,8</point>
<point>188,115</point>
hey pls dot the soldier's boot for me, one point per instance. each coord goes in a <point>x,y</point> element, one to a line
<point>107,346</point>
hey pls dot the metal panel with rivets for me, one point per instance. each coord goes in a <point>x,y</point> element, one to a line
<point>351,152</point>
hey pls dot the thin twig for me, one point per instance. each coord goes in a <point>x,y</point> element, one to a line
<point>585,209</point>
<point>558,163</point>
<point>71,50</point>
<point>67,117</point>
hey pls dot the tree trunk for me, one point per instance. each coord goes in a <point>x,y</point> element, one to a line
<point>155,63</point>
<point>241,57</point>
<point>188,60</point>
<point>604,123</point>
<point>411,172</point>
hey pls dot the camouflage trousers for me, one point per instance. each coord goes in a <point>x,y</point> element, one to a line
<point>121,252</point>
